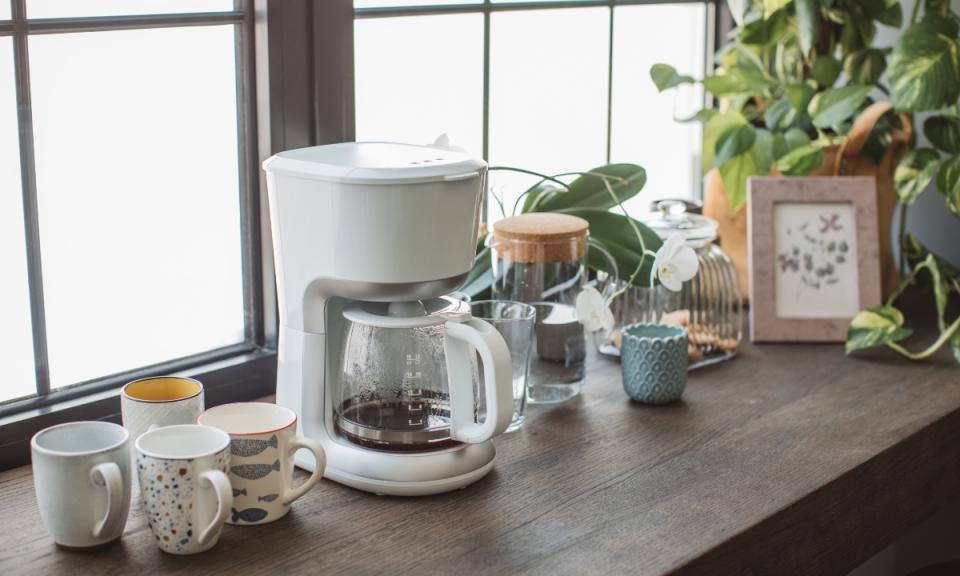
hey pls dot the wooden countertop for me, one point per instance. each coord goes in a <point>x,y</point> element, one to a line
<point>789,459</point>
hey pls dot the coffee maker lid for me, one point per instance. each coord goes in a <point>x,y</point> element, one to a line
<point>415,314</point>
<point>377,163</point>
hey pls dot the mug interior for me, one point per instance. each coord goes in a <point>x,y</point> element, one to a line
<point>248,418</point>
<point>182,442</point>
<point>81,437</point>
<point>162,389</point>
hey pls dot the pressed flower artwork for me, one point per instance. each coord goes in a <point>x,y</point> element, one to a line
<point>816,268</point>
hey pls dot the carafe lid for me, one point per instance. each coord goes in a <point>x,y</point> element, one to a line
<point>672,218</point>
<point>412,314</point>
<point>377,163</point>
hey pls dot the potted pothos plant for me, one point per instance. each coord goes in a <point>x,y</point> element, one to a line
<point>924,76</point>
<point>794,83</point>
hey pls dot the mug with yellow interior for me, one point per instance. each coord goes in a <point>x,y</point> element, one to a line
<point>160,401</point>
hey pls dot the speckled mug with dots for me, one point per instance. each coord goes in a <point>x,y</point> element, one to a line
<point>186,491</point>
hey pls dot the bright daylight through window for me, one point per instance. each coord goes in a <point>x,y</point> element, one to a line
<point>137,196</point>
<point>563,94</point>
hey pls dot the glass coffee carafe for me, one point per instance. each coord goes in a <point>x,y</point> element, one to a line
<point>408,375</point>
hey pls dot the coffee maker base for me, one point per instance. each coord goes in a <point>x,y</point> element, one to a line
<point>478,459</point>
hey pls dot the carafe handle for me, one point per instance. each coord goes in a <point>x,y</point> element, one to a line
<point>462,339</point>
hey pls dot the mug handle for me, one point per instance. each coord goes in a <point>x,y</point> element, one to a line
<point>221,486</point>
<point>462,339</point>
<point>108,474</point>
<point>313,446</point>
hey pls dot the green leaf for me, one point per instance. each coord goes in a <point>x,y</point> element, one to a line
<point>763,150</point>
<point>940,289</point>
<point>835,105</point>
<point>808,23</point>
<point>892,15</point>
<point>940,7</point>
<point>943,132</point>
<point>702,115</point>
<point>779,115</point>
<point>614,232</point>
<point>796,138</point>
<point>735,174</point>
<point>732,142</point>
<point>666,76</point>
<point>589,190</point>
<point>734,81</point>
<point>801,161</point>
<point>948,183</point>
<point>799,95</point>
<point>738,10</point>
<point>946,25</point>
<point>875,326</point>
<point>765,32</point>
<point>539,192</point>
<point>865,66</point>
<point>924,70</point>
<point>825,70</point>
<point>771,6</point>
<point>780,146</point>
<point>851,38</point>
<point>914,173</point>
<point>711,133</point>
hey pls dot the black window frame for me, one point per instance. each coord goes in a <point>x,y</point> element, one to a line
<point>306,100</point>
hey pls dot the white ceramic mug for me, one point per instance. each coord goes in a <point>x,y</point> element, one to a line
<point>81,471</point>
<point>263,441</point>
<point>160,401</point>
<point>183,479</point>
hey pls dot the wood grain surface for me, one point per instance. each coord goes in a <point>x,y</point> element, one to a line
<point>791,459</point>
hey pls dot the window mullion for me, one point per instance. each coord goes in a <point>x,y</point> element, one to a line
<point>610,82</point>
<point>28,179</point>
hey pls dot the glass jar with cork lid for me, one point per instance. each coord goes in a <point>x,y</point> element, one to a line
<point>541,259</point>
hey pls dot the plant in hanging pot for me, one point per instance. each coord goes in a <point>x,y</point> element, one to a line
<point>924,76</point>
<point>786,108</point>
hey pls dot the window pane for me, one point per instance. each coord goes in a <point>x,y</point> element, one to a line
<point>643,129</point>
<point>548,93</point>
<point>387,3</point>
<point>4,10</point>
<point>82,8</point>
<point>419,77</point>
<point>137,173</point>
<point>15,334</point>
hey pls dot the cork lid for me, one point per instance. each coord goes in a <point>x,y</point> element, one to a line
<point>541,237</point>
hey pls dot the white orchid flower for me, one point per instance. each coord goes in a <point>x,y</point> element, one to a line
<point>592,311</point>
<point>675,263</point>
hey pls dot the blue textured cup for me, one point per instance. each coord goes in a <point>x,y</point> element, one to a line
<point>653,360</point>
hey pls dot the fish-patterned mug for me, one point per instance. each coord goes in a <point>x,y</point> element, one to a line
<point>183,478</point>
<point>263,440</point>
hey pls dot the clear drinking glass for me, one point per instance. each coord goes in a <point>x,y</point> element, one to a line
<point>514,321</point>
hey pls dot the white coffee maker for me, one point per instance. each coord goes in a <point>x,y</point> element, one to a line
<point>380,365</point>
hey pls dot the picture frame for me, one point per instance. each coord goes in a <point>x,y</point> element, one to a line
<point>813,256</point>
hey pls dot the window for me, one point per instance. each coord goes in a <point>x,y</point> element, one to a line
<point>550,86</point>
<point>128,192</point>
